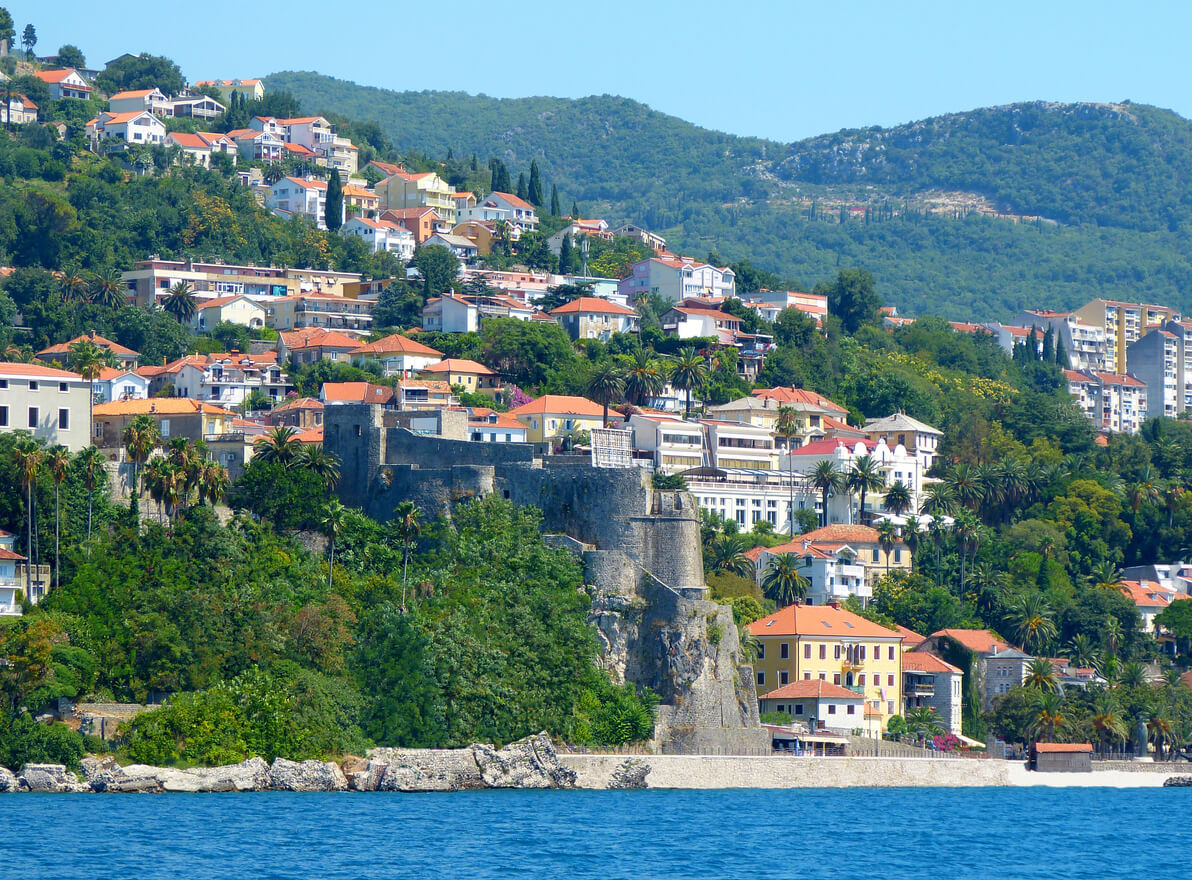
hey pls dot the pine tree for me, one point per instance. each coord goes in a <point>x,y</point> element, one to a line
<point>566,255</point>
<point>333,212</point>
<point>1061,354</point>
<point>1049,346</point>
<point>535,196</point>
<point>522,192</point>
<point>554,201</point>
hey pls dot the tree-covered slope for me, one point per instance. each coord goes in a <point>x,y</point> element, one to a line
<point>1115,179</point>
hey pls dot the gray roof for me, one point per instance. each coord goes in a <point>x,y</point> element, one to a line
<point>901,422</point>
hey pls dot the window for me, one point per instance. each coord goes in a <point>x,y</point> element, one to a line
<point>823,676</point>
<point>164,428</point>
<point>891,652</point>
<point>831,708</point>
<point>876,554</point>
<point>877,652</point>
<point>890,680</point>
<point>807,651</point>
<point>897,556</point>
<point>890,707</point>
<point>836,652</point>
<point>784,651</point>
<point>761,651</point>
<point>862,647</point>
<point>63,420</point>
<point>32,386</point>
<point>784,677</point>
<point>34,417</point>
<point>835,678</point>
<point>852,710</point>
<point>761,678</point>
<point>3,417</point>
<point>798,709</point>
<point>62,386</point>
<point>861,679</point>
<point>823,652</point>
<point>3,383</point>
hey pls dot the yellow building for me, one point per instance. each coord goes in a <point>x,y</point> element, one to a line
<point>1123,323</point>
<point>471,376</point>
<point>826,643</point>
<point>425,190</point>
<point>555,416</point>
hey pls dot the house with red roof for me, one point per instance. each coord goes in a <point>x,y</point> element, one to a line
<point>521,212</point>
<point>251,89</point>
<point>303,413</point>
<point>489,426</point>
<point>199,146</point>
<point>820,705</point>
<point>467,375</point>
<point>422,222</point>
<point>258,145</point>
<point>333,393</point>
<point>316,344</point>
<point>424,189</point>
<point>590,317</point>
<point>303,196</point>
<point>689,321</point>
<point>399,354</point>
<point>677,278</point>
<point>239,309</point>
<point>928,682</point>
<point>558,416</point>
<point>997,665</point>
<point>826,643</point>
<point>381,235</point>
<point>135,128</point>
<point>49,403</point>
<point>18,110</point>
<point>61,352</point>
<point>150,100</point>
<point>65,83</point>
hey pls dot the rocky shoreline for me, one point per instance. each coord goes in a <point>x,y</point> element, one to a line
<point>531,762</point>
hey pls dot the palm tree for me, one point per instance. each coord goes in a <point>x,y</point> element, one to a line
<point>688,373</point>
<point>728,555</point>
<point>1031,620</point>
<point>1161,732</point>
<point>321,463</point>
<point>157,473</point>
<point>278,446</point>
<point>939,500</point>
<point>784,582</point>
<point>1133,675</point>
<point>28,456</point>
<point>1107,720</point>
<point>787,424</point>
<point>965,484</point>
<point>967,530</point>
<point>750,644</point>
<point>407,522</point>
<point>644,378</point>
<point>606,385</point>
<point>912,536</point>
<point>1048,719</point>
<point>1081,651</point>
<point>1040,675</point>
<point>1107,576</point>
<point>91,462</point>
<point>887,537</point>
<point>937,531</point>
<point>108,289</point>
<point>826,480</point>
<point>140,438</point>
<point>332,523</point>
<point>180,302</point>
<point>987,585</point>
<point>213,482</point>
<point>898,498</point>
<point>58,464</point>
<point>75,288</point>
<point>922,723</point>
<point>866,476</point>
<point>1113,634</point>
<point>1172,499</point>
<point>89,360</point>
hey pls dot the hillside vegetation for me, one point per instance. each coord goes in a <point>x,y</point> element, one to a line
<point>1115,179</point>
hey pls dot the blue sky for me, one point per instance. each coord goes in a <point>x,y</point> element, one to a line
<point>783,70</point>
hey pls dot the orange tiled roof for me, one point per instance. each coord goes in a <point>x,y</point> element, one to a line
<point>514,200</point>
<point>910,638</point>
<point>593,304</point>
<point>35,371</point>
<point>356,392</point>
<point>165,406</point>
<point>94,338</point>
<point>812,689</point>
<point>559,404</point>
<point>799,395</point>
<point>982,641</point>
<point>818,620</point>
<point>396,344</point>
<point>299,403</point>
<point>459,365</point>
<point>922,661</point>
<point>57,76</point>
<point>1061,748</point>
<point>317,337</point>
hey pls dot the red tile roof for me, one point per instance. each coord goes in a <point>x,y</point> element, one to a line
<point>95,338</point>
<point>922,661</point>
<point>396,344</point>
<point>818,620</point>
<point>559,404</point>
<point>57,76</point>
<point>982,641</point>
<point>1062,748</point>
<point>910,638</point>
<point>799,395</point>
<point>593,304</point>
<point>514,200</point>
<point>459,365</point>
<point>356,392</point>
<point>812,689</point>
<point>35,371</point>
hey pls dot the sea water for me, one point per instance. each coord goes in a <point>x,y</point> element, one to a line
<point>872,833</point>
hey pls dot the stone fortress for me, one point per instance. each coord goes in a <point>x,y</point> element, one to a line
<point>640,549</point>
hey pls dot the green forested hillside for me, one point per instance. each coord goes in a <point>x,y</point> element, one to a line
<point>1116,179</point>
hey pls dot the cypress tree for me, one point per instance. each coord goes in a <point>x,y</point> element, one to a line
<point>1061,354</point>
<point>566,255</point>
<point>554,201</point>
<point>492,186</point>
<point>535,196</point>
<point>574,210</point>
<point>474,166</point>
<point>522,192</point>
<point>450,155</point>
<point>1032,346</point>
<point>503,184</point>
<point>333,212</point>
<point>1049,346</point>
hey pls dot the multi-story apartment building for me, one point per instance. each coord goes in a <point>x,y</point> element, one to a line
<point>999,667</point>
<point>150,280</point>
<point>673,444</point>
<point>1122,323</point>
<point>1084,343</point>
<point>425,190</point>
<point>47,403</point>
<point>315,310</point>
<point>833,569</point>
<point>897,465</point>
<point>304,197</point>
<point>678,278</point>
<point>1113,402</point>
<point>589,317</point>
<point>1157,359</point>
<point>827,643</point>
<point>229,378</point>
<point>738,445</point>
<point>931,683</point>
<point>863,544</point>
<point>382,235</point>
<point>917,438</point>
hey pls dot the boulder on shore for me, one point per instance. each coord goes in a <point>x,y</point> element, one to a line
<point>306,776</point>
<point>8,781</point>
<point>630,774</point>
<point>531,762</point>
<point>50,778</point>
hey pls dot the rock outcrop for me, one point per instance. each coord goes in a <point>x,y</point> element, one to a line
<point>1178,782</point>
<point>108,776</point>
<point>53,778</point>
<point>8,781</point>
<point>630,775</point>
<point>531,762</point>
<point>306,776</point>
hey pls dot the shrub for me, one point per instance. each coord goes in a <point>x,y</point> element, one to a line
<point>24,741</point>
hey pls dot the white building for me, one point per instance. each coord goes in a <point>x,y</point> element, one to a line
<point>295,195</point>
<point>12,586</point>
<point>461,248</point>
<point>19,110</point>
<point>673,444</point>
<point>50,404</point>
<point>1084,343</point>
<point>450,314</point>
<point>230,378</point>
<point>737,445</point>
<point>833,569</point>
<point>488,426</point>
<point>149,100</point>
<point>694,322</point>
<point>120,384</point>
<point>918,438</point>
<point>1112,402</point>
<point>134,128</point>
<point>678,278</point>
<point>589,317</point>
<point>239,309</point>
<point>930,683</point>
<point>521,212</point>
<point>895,464</point>
<point>381,235</point>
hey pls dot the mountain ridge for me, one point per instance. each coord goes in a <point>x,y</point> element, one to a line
<point>1106,188</point>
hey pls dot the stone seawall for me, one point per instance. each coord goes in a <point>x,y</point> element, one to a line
<point>712,772</point>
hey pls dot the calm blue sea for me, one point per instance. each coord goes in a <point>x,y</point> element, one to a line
<point>1009,834</point>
